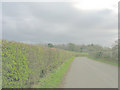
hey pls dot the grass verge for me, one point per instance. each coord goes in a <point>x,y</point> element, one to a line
<point>54,78</point>
<point>104,61</point>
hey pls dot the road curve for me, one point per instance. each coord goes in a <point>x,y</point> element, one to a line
<point>86,73</point>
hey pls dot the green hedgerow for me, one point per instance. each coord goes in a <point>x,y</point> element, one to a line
<point>24,64</point>
<point>15,65</point>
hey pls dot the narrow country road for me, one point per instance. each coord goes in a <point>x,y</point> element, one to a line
<point>86,73</point>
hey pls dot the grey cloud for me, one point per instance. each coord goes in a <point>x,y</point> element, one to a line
<point>57,22</point>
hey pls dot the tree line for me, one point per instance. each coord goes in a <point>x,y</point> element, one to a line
<point>93,50</point>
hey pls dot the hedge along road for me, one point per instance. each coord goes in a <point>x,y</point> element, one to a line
<point>86,73</point>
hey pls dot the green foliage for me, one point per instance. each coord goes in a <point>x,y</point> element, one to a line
<point>14,64</point>
<point>71,47</point>
<point>50,45</point>
<point>24,64</point>
<point>93,50</point>
<point>0,64</point>
<point>104,61</point>
<point>54,78</point>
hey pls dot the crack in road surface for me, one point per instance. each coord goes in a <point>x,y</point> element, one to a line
<point>86,73</point>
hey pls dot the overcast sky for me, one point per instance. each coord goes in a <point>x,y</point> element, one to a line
<point>63,22</point>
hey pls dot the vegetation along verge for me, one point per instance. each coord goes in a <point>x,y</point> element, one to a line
<point>24,64</point>
<point>104,61</point>
<point>53,79</point>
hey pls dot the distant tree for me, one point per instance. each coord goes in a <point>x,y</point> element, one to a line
<point>81,49</point>
<point>98,54</point>
<point>115,50</point>
<point>71,46</point>
<point>92,44</point>
<point>50,45</point>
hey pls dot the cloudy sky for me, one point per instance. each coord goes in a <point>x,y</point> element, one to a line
<point>80,22</point>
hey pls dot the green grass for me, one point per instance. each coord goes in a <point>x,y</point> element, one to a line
<point>53,79</point>
<point>80,53</point>
<point>84,53</point>
<point>104,61</point>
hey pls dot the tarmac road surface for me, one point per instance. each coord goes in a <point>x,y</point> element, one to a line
<point>86,73</point>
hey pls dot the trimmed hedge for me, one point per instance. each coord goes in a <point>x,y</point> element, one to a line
<point>24,64</point>
<point>14,64</point>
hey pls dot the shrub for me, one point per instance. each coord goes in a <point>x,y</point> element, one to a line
<point>25,64</point>
<point>15,71</point>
